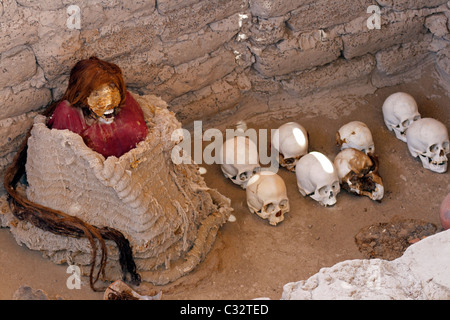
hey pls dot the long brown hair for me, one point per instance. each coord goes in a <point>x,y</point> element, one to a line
<point>88,75</point>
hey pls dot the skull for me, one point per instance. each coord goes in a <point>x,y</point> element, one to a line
<point>291,142</point>
<point>355,135</point>
<point>267,196</point>
<point>103,102</point>
<point>427,139</point>
<point>239,156</point>
<point>358,173</point>
<point>317,178</point>
<point>400,111</point>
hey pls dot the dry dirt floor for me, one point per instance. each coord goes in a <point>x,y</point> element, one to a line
<point>252,259</point>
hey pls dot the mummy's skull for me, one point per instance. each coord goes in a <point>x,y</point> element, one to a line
<point>355,135</point>
<point>358,173</point>
<point>240,161</point>
<point>428,139</point>
<point>103,101</point>
<point>267,196</point>
<point>317,178</point>
<point>291,142</point>
<point>400,111</point>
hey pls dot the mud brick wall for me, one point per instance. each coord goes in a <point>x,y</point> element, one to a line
<point>204,56</point>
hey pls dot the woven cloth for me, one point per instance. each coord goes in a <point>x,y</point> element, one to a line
<point>165,210</point>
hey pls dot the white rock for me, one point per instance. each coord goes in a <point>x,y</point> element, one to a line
<point>418,274</point>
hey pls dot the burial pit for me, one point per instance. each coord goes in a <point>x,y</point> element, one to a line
<point>223,65</point>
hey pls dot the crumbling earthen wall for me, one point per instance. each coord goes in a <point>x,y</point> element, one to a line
<point>203,56</point>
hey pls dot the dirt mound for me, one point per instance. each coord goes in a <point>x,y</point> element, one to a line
<point>389,240</point>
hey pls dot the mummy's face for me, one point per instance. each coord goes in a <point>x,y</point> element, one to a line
<point>103,101</point>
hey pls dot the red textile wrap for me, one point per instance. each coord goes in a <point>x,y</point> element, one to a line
<point>67,117</point>
<point>115,139</point>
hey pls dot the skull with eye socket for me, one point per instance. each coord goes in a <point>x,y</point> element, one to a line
<point>267,196</point>
<point>428,140</point>
<point>317,178</point>
<point>103,102</point>
<point>400,110</point>
<point>240,160</point>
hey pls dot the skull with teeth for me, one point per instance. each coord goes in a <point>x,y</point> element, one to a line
<point>317,177</point>
<point>267,196</point>
<point>240,160</point>
<point>358,173</point>
<point>428,139</point>
<point>103,102</point>
<point>291,142</point>
<point>400,111</point>
<point>355,135</point>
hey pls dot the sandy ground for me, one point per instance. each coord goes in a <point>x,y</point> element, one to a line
<point>251,258</point>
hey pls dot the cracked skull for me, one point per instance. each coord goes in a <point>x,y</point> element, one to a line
<point>317,178</point>
<point>267,196</point>
<point>291,142</point>
<point>239,156</point>
<point>428,139</point>
<point>358,173</point>
<point>355,135</point>
<point>400,111</point>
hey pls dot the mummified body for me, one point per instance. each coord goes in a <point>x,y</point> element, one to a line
<point>97,107</point>
<point>110,177</point>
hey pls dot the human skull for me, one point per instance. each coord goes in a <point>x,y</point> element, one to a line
<point>400,111</point>
<point>357,135</point>
<point>358,173</point>
<point>267,196</point>
<point>291,142</point>
<point>427,139</point>
<point>317,178</point>
<point>103,102</point>
<point>239,156</point>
